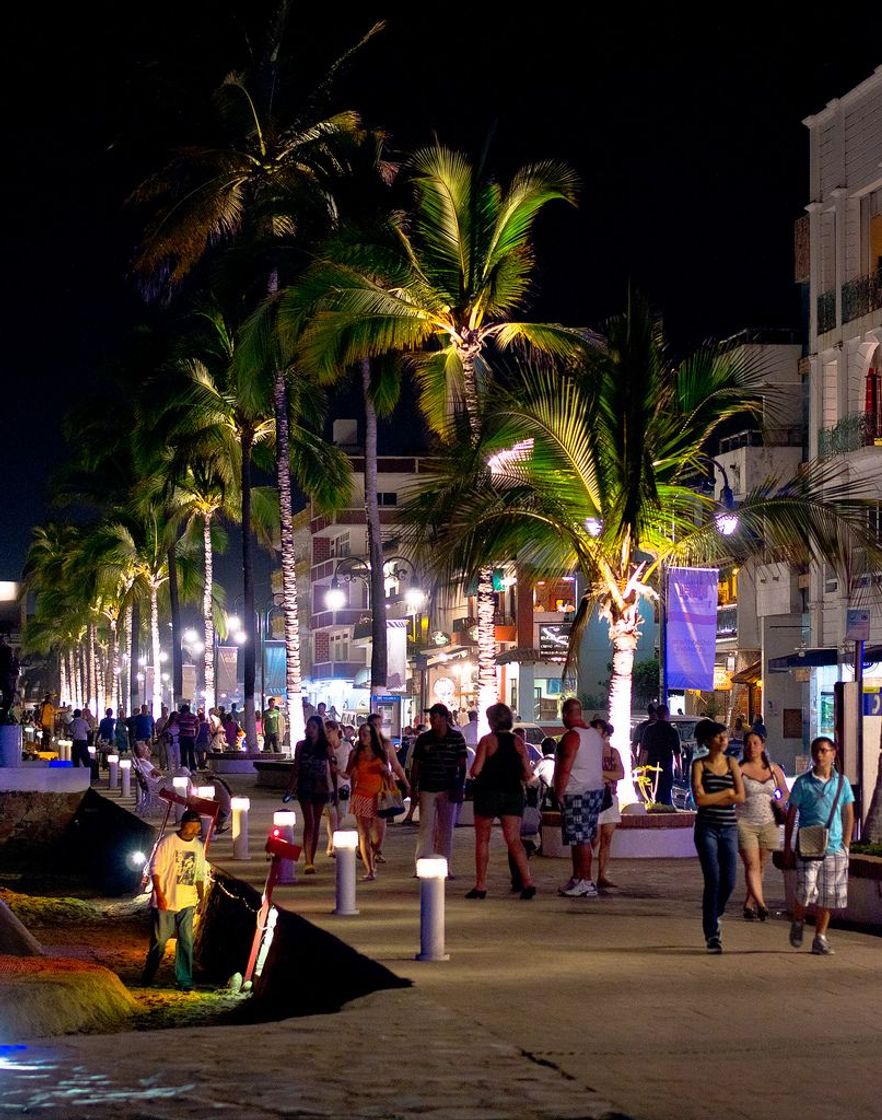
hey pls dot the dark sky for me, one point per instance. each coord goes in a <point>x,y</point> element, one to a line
<point>687,138</point>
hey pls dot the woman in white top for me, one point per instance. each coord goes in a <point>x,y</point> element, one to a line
<point>337,807</point>
<point>610,817</point>
<point>757,827</point>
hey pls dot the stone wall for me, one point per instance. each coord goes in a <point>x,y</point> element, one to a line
<point>31,822</point>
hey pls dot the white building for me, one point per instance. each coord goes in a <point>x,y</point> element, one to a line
<point>841,260</point>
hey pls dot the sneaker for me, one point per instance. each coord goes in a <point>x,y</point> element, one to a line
<point>567,887</point>
<point>582,888</point>
<point>821,946</point>
<point>796,934</point>
<point>714,945</point>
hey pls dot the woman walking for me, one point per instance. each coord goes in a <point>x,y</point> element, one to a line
<point>717,788</point>
<point>610,817</point>
<point>501,767</point>
<point>369,769</point>
<point>337,808</point>
<point>313,780</point>
<point>764,786</point>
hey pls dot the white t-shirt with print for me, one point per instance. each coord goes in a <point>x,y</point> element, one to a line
<point>179,865</point>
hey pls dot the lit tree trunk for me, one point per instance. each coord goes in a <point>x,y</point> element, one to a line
<point>208,612</point>
<point>156,697</point>
<point>624,630</point>
<point>78,677</point>
<point>63,691</point>
<point>112,691</point>
<point>134,628</point>
<point>486,599</point>
<point>99,681</point>
<point>379,660</point>
<point>92,672</point>
<point>293,691</point>
<point>177,655</point>
<point>249,648</point>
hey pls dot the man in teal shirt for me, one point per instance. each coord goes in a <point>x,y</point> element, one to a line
<point>823,882</point>
<point>271,726</point>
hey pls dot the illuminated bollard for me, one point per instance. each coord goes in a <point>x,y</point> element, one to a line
<point>283,826</point>
<point>93,763</point>
<point>345,844</point>
<point>113,771</point>
<point>125,777</point>
<point>240,807</point>
<point>181,787</point>
<point>431,873</point>
<point>207,793</point>
<point>64,746</point>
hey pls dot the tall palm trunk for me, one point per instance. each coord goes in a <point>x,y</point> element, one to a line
<point>379,659</point>
<point>78,677</point>
<point>624,631</point>
<point>156,697</point>
<point>100,676</point>
<point>249,647</point>
<point>177,655</point>
<point>293,689</point>
<point>208,612</point>
<point>111,698</point>
<point>63,690</point>
<point>92,672</point>
<point>485,596</point>
<point>134,627</point>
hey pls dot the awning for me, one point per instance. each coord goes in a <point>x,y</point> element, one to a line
<point>821,655</point>
<point>749,675</point>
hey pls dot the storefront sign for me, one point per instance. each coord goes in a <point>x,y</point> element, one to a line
<point>691,631</point>
<point>554,640</point>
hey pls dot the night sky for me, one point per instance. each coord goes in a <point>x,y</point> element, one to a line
<point>688,140</point>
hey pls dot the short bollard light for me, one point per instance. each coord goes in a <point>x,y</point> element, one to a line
<point>181,786</point>
<point>345,845</point>
<point>64,746</point>
<point>93,762</point>
<point>113,771</point>
<point>125,776</point>
<point>431,873</point>
<point>283,827</point>
<point>207,794</point>
<point>239,807</point>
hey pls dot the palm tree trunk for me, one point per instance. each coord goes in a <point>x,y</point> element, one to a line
<point>293,690</point>
<point>100,676</point>
<point>78,676</point>
<point>248,649</point>
<point>63,691</point>
<point>92,683</point>
<point>208,612</point>
<point>624,629</point>
<point>485,598</point>
<point>133,624</point>
<point>379,660</point>
<point>111,698</point>
<point>176,652</point>
<point>156,697</point>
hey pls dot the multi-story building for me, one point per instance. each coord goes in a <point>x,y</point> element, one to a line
<point>839,260</point>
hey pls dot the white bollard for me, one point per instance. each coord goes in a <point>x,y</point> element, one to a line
<point>125,776</point>
<point>431,873</point>
<point>64,746</point>
<point>240,807</point>
<point>345,844</point>
<point>283,826</point>
<point>207,793</point>
<point>181,787</point>
<point>113,771</point>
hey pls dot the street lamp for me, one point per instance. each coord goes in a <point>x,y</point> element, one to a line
<point>727,520</point>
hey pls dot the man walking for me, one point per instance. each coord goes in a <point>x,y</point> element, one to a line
<point>177,872</point>
<point>46,720</point>
<point>189,728</point>
<point>144,726</point>
<point>660,744</point>
<point>578,787</point>
<point>820,796</point>
<point>271,726</point>
<point>438,778</point>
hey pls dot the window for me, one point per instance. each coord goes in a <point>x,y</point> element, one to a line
<point>340,646</point>
<point>340,546</point>
<point>831,582</point>
<point>387,498</point>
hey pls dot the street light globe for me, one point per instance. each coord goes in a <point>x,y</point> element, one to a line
<point>233,622</point>
<point>727,523</point>
<point>198,647</point>
<point>335,598</point>
<point>165,678</point>
<point>163,656</point>
<point>190,635</point>
<point>415,598</point>
<point>240,637</point>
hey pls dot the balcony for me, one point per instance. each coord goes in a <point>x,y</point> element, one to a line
<point>827,311</point>
<point>860,296</point>
<point>859,429</point>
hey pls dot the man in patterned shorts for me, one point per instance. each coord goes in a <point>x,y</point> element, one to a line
<point>578,786</point>
<point>822,882</point>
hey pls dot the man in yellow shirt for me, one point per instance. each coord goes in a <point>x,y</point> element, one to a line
<point>46,720</point>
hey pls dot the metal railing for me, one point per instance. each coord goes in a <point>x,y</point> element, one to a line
<point>770,437</point>
<point>860,296</point>
<point>858,429</point>
<point>826,311</point>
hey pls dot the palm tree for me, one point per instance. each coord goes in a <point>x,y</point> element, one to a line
<point>273,179</point>
<point>442,288</point>
<point>596,470</point>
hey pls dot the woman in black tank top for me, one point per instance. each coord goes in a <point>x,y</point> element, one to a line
<point>717,788</point>
<point>500,769</point>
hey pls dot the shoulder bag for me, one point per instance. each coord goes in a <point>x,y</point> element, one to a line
<point>778,810</point>
<point>812,841</point>
<point>390,802</point>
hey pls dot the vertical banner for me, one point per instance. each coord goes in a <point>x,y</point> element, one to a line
<point>396,652</point>
<point>227,661</point>
<point>188,686</point>
<point>691,640</point>
<point>275,663</point>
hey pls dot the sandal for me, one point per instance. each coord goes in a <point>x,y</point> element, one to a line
<point>475,893</point>
<point>748,914</point>
<point>309,869</point>
<point>369,878</point>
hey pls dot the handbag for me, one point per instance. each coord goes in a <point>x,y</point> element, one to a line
<point>812,840</point>
<point>390,803</point>
<point>607,800</point>
<point>778,810</point>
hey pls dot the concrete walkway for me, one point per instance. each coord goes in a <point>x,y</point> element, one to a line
<point>546,1008</point>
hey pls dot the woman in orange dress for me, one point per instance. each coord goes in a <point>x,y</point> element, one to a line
<point>370,764</point>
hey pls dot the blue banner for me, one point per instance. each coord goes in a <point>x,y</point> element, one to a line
<point>275,665</point>
<point>691,629</point>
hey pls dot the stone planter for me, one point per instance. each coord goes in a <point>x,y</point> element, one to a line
<point>10,745</point>
<point>864,889</point>
<point>639,836</point>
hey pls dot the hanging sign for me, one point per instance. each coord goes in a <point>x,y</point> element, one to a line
<point>691,630</point>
